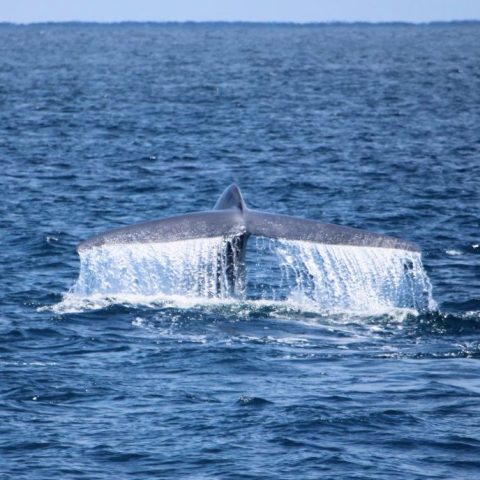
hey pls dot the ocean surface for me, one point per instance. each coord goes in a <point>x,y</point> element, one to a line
<point>375,127</point>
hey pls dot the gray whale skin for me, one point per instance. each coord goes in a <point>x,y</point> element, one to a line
<point>230,218</point>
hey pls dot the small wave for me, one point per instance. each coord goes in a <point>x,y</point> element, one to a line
<point>51,239</point>
<point>169,332</point>
<point>28,364</point>
<point>475,248</point>
<point>246,401</point>
<point>73,303</point>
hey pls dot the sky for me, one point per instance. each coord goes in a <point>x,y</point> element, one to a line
<point>27,11</point>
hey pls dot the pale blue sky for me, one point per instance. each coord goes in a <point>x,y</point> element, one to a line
<point>24,11</point>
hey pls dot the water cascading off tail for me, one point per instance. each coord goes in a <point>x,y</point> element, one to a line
<point>362,279</point>
<point>194,268</point>
<point>331,277</point>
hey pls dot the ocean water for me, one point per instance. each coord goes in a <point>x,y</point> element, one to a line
<point>333,364</point>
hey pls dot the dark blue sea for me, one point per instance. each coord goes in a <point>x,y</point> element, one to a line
<point>375,127</point>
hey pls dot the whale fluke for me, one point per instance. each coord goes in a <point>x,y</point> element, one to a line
<point>221,223</point>
<point>231,218</point>
<point>271,225</point>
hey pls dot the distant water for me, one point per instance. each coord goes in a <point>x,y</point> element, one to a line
<point>333,363</point>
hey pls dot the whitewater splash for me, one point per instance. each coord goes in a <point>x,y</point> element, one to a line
<point>195,268</point>
<point>322,277</point>
<point>340,277</point>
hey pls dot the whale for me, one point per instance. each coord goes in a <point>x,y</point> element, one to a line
<point>232,220</point>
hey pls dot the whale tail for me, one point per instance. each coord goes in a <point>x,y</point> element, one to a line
<point>232,220</point>
<point>230,217</point>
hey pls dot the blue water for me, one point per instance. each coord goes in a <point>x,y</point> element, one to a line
<point>376,127</point>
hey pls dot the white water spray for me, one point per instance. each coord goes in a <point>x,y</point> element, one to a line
<point>327,277</point>
<point>340,277</point>
<point>194,268</point>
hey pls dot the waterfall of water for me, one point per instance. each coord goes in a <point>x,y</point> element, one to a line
<point>197,268</point>
<point>331,277</point>
<point>354,278</point>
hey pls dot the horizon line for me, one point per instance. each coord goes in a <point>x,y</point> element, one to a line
<point>242,22</point>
